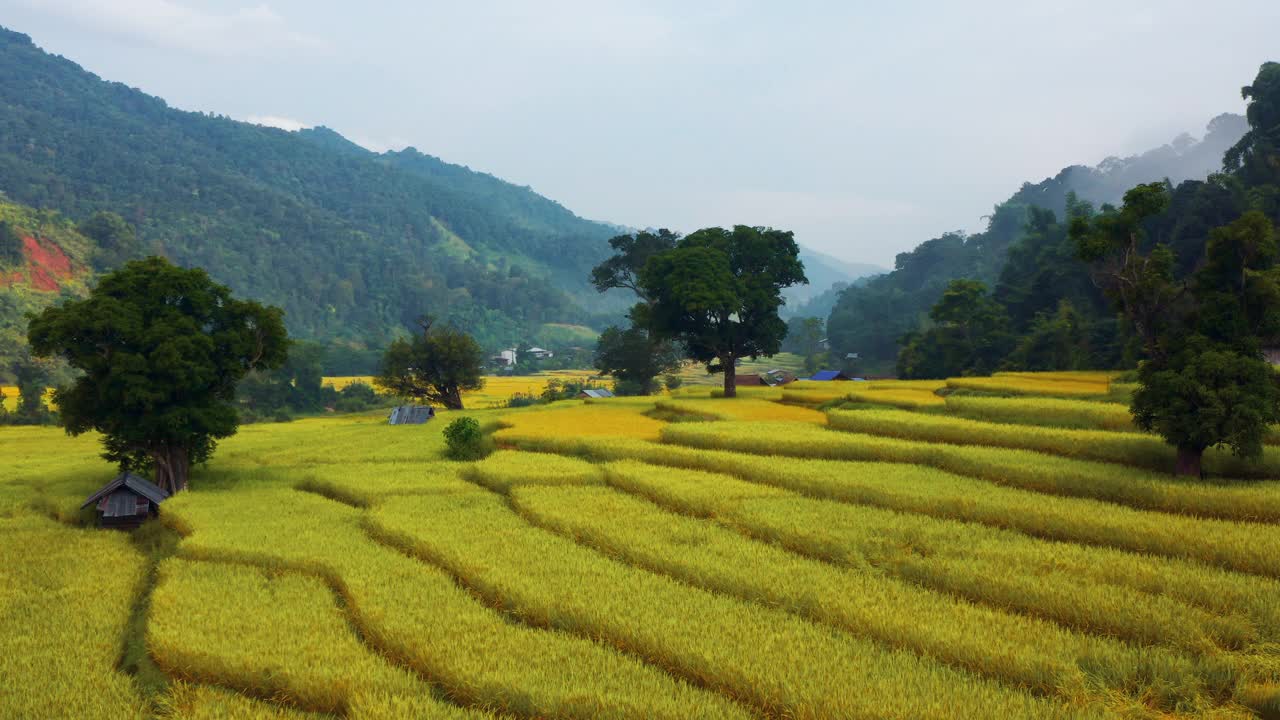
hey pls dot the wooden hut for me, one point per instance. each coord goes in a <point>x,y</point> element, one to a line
<point>126,501</point>
<point>595,394</point>
<point>411,414</point>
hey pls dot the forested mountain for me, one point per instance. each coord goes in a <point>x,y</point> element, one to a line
<point>1019,247</point>
<point>352,244</point>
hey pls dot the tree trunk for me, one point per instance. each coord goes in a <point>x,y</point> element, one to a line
<point>730,376</point>
<point>173,468</point>
<point>452,398</point>
<point>1189,461</point>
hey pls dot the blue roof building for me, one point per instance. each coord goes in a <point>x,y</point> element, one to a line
<point>829,375</point>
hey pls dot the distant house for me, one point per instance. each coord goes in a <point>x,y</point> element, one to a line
<point>540,353</point>
<point>595,393</point>
<point>411,414</point>
<point>829,375</point>
<point>742,379</point>
<point>126,501</point>
<point>506,358</point>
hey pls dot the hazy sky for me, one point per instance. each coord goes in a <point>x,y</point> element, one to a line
<point>866,129</point>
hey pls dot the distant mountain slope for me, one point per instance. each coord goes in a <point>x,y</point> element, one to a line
<point>352,244</point>
<point>823,272</point>
<point>871,317</point>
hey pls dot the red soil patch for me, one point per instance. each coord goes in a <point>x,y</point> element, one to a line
<point>46,265</point>
<point>42,280</point>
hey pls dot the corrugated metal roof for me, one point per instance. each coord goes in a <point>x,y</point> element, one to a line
<point>123,503</point>
<point>138,485</point>
<point>411,414</point>
<point>829,375</point>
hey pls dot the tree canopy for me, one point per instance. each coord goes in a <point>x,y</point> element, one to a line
<point>160,349</point>
<point>1204,381</point>
<point>434,366</point>
<point>633,358</point>
<point>717,293</point>
<point>635,355</point>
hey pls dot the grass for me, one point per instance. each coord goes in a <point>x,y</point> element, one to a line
<point>1024,469</point>
<point>277,635</point>
<point>743,650</point>
<point>741,409</point>
<point>753,564</point>
<point>603,419</point>
<point>1034,654</point>
<point>1056,385</point>
<point>1049,412</point>
<point>1139,450</point>
<point>188,701</point>
<point>64,606</point>
<point>1149,600</point>
<point>497,390</point>
<point>417,615</point>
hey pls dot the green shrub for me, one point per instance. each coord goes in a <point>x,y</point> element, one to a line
<point>465,439</point>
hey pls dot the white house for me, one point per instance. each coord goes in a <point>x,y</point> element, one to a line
<point>506,358</point>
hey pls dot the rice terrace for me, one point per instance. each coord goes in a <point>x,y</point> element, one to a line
<point>302,424</point>
<point>605,564</point>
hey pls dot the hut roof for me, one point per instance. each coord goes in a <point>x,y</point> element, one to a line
<point>411,414</point>
<point>138,485</point>
<point>826,375</point>
<point>597,393</point>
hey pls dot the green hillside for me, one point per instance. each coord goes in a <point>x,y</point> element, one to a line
<point>870,318</point>
<point>42,260</point>
<point>352,244</point>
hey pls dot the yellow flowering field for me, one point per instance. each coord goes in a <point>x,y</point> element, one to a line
<point>923,551</point>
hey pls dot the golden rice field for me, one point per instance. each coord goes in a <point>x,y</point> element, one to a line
<point>1004,547</point>
<point>497,389</point>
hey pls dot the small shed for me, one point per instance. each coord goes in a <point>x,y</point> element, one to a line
<point>776,377</point>
<point>411,414</point>
<point>126,501</point>
<point>595,393</point>
<point>743,379</point>
<point>829,375</point>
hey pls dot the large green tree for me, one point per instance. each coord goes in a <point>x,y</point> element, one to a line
<point>1204,382</point>
<point>634,355</point>
<point>160,349</point>
<point>434,366</point>
<point>634,359</point>
<point>717,293</point>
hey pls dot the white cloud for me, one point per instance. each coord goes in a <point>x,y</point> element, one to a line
<point>255,30</point>
<point>277,121</point>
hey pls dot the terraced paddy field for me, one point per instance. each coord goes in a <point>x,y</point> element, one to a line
<point>827,550</point>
